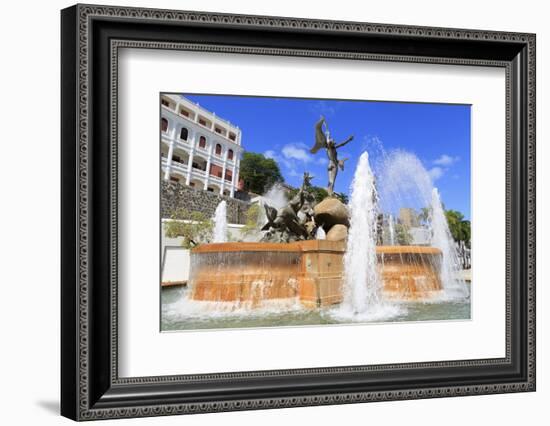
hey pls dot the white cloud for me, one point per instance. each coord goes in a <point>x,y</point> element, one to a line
<point>270,154</point>
<point>296,152</point>
<point>295,158</point>
<point>322,160</point>
<point>436,172</point>
<point>442,165</point>
<point>445,160</point>
<point>290,164</point>
<point>326,108</point>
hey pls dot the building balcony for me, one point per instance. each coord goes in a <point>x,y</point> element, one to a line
<point>197,175</point>
<point>218,181</point>
<point>198,172</point>
<point>185,144</point>
<point>180,167</point>
<point>227,135</point>
<point>218,178</point>
<point>175,165</point>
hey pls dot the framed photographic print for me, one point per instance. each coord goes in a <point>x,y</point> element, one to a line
<point>263,212</point>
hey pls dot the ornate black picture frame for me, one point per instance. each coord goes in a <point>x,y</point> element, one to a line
<point>91,36</point>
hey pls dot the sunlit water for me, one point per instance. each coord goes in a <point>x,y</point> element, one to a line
<point>362,284</point>
<point>391,230</point>
<point>293,314</point>
<point>402,181</point>
<point>441,238</point>
<point>220,223</point>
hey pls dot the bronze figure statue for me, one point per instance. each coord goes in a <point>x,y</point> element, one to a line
<point>323,140</point>
<point>294,221</point>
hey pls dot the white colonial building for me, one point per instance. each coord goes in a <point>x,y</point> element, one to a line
<point>198,148</point>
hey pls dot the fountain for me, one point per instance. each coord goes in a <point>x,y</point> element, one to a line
<point>320,234</point>
<point>410,273</point>
<point>245,273</point>
<point>432,270</point>
<point>391,230</point>
<point>220,223</point>
<point>275,197</point>
<point>453,284</point>
<point>251,273</point>
<point>361,287</point>
<point>319,255</point>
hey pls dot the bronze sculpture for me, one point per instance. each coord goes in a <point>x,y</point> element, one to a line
<point>294,221</point>
<point>323,140</point>
<point>298,220</point>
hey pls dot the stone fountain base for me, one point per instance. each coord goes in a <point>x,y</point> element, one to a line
<point>409,272</point>
<point>250,273</point>
<point>309,271</point>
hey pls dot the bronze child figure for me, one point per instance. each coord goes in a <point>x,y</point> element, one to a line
<point>323,140</point>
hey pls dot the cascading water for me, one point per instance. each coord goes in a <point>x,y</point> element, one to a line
<point>391,230</point>
<point>275,197</point>
<point>270,278</point>
<point>273,276</point>
<point>362,284</point>
<point>404,182</point>
<point>320,234</point>
<point>220,223</point>
<point>453,284</point>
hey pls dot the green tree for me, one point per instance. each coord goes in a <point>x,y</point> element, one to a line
<point>319,193</point>
<point>461,232</point>
<point>258,172</point>
<point>455,220</point>
<point>425,215</point>
<point>195,227</point>
<point>467,232</point>
<point>253,216</point>
<point>402,235</point>
<point>342,197</point>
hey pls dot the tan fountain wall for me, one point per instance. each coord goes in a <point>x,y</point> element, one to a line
<point>311,271</point>
<point>409,272</point>
<point>245,272</point>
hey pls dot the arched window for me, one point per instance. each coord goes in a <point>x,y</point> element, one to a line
<point>202,142</point>
<point>184,133</point>
<point>218,149</point>
<point>164,125</point>
<point>230,154</point>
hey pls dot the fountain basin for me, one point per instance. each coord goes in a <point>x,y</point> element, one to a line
<point>409,272</point>
<point>247,273</point>
<point>250,273</point>
<point>308,271</point>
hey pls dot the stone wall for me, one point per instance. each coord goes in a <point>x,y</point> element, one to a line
<point>175,196</point>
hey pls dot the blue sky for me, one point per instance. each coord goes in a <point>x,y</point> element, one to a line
<point>283,128</point>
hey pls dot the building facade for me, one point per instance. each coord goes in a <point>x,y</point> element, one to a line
<point>408,217</point>
<point>198,148</point>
